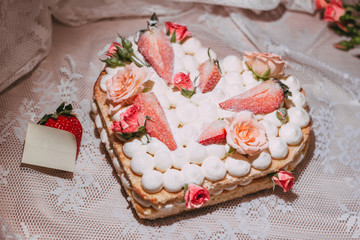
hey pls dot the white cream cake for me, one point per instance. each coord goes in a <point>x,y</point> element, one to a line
<point>221,150</point>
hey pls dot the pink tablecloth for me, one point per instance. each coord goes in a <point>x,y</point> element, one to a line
<point>38,203</point>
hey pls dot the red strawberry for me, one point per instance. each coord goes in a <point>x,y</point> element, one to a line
<point>63,119</point>
<point>157,50</point>
<point>263,98</point>
<point>157,126</point>
<point>214,133</point>
<point>209,76</point>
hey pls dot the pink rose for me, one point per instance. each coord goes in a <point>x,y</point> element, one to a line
<point>125,85</point>
<point>181,31</point>
<point>196,196</point>
<point>265,65</point>
<point>334,11</point>
<point>284,179</point>
<point>245,133</point>
<point>182,81</point>
<point>130,121</point>
<point>321,4</point>
<point>112,49</point>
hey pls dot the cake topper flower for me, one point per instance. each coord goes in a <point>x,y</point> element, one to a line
<point>178,33</point>
<point>184,84</point>
<point>195,195</point>
<point>265,65</point>
<point>245,134</point>
<point>125,85</point>
<point>344,19</point>
<point>283,179</point>
<point>131,124</point>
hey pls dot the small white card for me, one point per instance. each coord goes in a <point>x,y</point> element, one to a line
<point>49,147</point>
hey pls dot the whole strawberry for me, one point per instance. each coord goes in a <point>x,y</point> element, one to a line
<point>63,119</point>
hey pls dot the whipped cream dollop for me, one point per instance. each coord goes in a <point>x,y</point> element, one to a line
<point>197,152</point>
<point>152,181</point>
<point>202,55</point>
<point>163,160</point>
<point>192,174</point>
<point>133,147</point>
<point>187,113</point>
<point>216,150</point>
<point>292,83</point>
<point>173,180</point>
<point>192,45</point>
<point>180,157</point>
<point>291,133</point>
<point>298,116</point>
<point>278,148</point>
<point>140,163</point>
<point>270,128</point>
<point>261,161</point>
<point>271,117</point>
<point>237,165</point>
<point>213,168</point>
<point>297,99</point>
<point>140,200</point>
<point>232,63</point>
<point>245,182</point>
<point>125,181</point>
<point>156,146</point>
<point>231,187</point>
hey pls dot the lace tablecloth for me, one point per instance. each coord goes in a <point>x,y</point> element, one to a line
<point>38,203</point>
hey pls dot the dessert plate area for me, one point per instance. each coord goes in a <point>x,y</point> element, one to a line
<point>40,203</point>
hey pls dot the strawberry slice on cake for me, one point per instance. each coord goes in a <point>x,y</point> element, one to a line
<point>263,98</point>
<point>214,133</point>
<point>156,49</point>
<point>209,75</point>
<point>157,125</point>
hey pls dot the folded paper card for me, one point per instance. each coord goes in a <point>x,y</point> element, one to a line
<point>49,147</point>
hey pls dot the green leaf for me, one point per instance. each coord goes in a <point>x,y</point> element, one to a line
<point>231,150</point>
<point>185,187</point>
<point>173,37</point>
<point>154,17</point>
<point>284,87</point>
<point>69,107</point>
<point>266,74</point>
<point>61,107</point>
<point>145,90</point>
<point>125,43</point>
<point>126,136</point>
<point>113,62</point>
<point>141,129</point>
<point>153,20</point>
<point>44,119</point>
<point>187,93</point>
<point>218,65</point>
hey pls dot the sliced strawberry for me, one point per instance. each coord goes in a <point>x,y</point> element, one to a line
<point>214,133</point>
<point>157,50</point>
<point>263,98</point>
<point>209,76</point>
<point>63,119</point>
<point>157,126</point>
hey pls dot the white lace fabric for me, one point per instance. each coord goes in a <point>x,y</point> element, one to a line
<point>39,203</point>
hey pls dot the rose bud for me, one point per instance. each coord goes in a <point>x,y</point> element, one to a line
<point>265,65</point>
<point>196,196</point>
<point>284,179</point>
